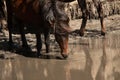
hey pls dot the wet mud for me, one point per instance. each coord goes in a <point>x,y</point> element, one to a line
<point>92,57</point>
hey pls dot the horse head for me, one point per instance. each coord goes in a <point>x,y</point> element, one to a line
<point>59,21</point>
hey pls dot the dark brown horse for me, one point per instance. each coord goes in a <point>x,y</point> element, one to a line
<point>2,15</point>
<point>42,15</point>
<point>83,6</point>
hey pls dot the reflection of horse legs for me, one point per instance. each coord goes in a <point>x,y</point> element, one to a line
<point>83,6</point>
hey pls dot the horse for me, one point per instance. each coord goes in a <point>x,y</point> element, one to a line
<point>42,15</point>
<point>1,9</point>
<point>84,10</point>
<point>85,13</point>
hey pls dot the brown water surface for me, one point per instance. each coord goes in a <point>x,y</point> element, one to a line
<point>90,59</point>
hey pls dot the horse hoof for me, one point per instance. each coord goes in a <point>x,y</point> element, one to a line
<point>38,55</point>
<point>102,33</point>
<point>81,34</point>
<point>10,43</point>
<point>27,48</point>
<point>47,51</point>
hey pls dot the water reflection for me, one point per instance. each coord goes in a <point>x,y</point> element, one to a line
<point>90,59</point>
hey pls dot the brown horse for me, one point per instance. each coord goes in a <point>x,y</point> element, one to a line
<point>84,10</point>
<point>42,15</point>
<point>83,6</point>
<point>2,15</point>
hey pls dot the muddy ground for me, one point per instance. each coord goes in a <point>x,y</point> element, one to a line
<point>91,57</point>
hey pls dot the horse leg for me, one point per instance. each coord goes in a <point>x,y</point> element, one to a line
<point>101,16</point>
<point>39,44</point>
<point>47,37</point>
<point>83,6</point>
<point>98,5</point>
<point>9,25</point>
<point>22,33</point>
<point>23,38</point>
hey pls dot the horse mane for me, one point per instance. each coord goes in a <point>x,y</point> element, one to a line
<point>59,11</point>
<point>53,9</point>
<point>46,9</point>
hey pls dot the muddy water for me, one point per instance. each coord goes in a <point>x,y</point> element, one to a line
<point>91,58</point>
